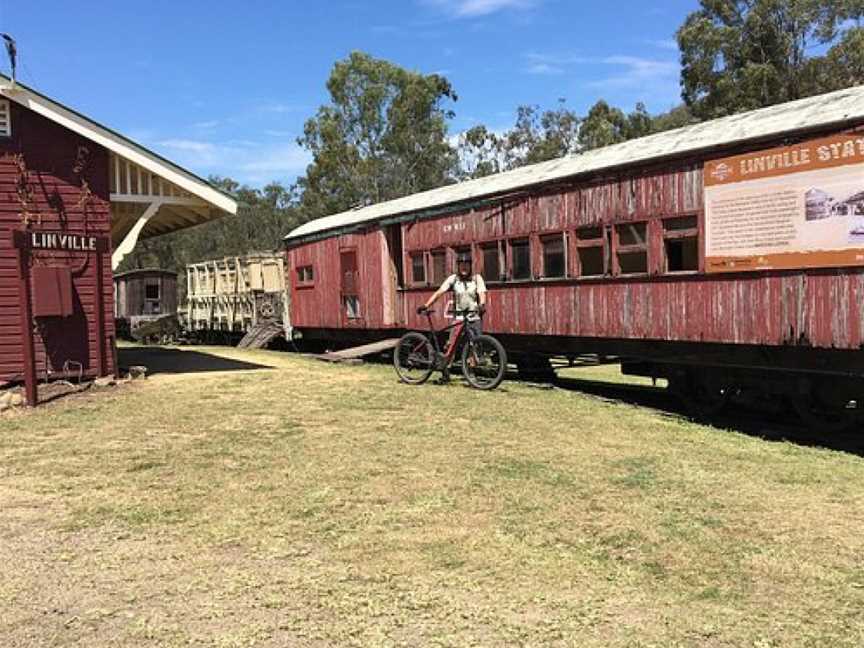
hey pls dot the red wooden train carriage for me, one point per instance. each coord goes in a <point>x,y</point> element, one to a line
<point>693,254</point>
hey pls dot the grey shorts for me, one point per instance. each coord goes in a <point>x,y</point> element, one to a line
<point>475,325</point>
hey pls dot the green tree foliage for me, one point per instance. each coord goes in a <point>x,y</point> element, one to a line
<point>383,135</point>
<point>605,125</point>
<point>538,136</point>
<point>535,137</point>
<point>739,55</point>
<point>479,152</point>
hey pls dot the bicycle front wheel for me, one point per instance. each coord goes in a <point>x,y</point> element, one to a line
<point>484,362</point>
<point>414,358</point>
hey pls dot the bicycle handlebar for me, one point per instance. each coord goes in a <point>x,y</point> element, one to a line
<point>463,313</point>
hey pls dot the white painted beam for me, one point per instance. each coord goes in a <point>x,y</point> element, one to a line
<point>166,200</point>
<point>129,241</point>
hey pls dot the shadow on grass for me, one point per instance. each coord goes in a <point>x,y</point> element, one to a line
<point>162,360</point>
<point>777,426</point>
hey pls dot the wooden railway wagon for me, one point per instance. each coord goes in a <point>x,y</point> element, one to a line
<point>75,197</point>
<point>688,253</point>
<point>235,294</point>
<point>142,296</point>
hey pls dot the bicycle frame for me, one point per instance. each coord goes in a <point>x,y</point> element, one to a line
<point>453,343</point>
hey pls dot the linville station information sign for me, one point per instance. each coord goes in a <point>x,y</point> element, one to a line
<point>798,206</point>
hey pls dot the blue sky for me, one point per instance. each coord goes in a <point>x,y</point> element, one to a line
<point>224,87</point>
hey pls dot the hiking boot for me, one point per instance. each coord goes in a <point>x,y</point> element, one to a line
<point>444,379</point>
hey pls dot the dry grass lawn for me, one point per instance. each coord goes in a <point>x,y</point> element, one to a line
<point>309,504</point>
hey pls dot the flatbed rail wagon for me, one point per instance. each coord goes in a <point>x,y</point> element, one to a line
<point>235,294</point>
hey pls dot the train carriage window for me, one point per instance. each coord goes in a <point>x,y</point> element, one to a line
<point>632,248</point>
<point>554,258</point>
<point>352,306</point>
<point>592,257</point>
<point>418,268</point>
<point>520,259</point>
<point>305,275</point>
<point>681,244</point>
<point>492,269</point>
<point>152,304</point>
<point>439,266</point>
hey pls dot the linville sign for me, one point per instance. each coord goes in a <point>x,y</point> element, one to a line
<point>36,240</point>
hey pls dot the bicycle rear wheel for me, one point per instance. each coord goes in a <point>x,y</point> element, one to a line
<point>414,358</point>
<point>484,362</point>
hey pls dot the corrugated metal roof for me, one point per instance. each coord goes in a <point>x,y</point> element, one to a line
<point>803,114</point>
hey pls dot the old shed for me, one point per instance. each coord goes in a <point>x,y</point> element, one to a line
<point>144,295</point>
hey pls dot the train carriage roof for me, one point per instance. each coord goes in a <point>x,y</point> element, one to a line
<point>836,108</point>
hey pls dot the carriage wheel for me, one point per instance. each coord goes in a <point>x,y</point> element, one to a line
<point>824,411</point>
<point>705,393</point>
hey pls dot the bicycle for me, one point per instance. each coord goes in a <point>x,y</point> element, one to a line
<point>418,354</point>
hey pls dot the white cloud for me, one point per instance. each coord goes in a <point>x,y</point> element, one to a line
<point>474,8</point>
<point>207,125</point>
<point>242,160</point>
<point>544,69</point>
<point>665,43</point>
<point>280,108</point>
<point>279,159</point>
<point>647,75</point>
<point>637,72</point>
<point>279,133</point>
<point>189,146</point>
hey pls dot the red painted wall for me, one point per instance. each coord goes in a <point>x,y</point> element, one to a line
<point>822,307</point>
<point>318,304</point>
<point>50,153</point>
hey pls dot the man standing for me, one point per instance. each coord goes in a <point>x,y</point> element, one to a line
<point>469,297</point>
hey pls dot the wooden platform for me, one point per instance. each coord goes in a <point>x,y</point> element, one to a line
<point>260,335</point>
<point>355,353</point>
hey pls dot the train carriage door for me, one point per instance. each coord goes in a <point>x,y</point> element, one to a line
<point>393,275</point>
<point>351,314</point>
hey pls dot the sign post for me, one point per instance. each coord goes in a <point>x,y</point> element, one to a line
<point>28,242</point>
<point>27,327</point>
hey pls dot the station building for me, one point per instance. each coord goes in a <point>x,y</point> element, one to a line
<point>75,198</point>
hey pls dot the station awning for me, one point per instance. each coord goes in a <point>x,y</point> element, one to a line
<point>150,195</point>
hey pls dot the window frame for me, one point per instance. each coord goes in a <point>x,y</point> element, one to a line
<point>678,234</point>
<point>153,283</point>
<point>423,256</point>
<point>600,242</point>
<point>543,240</point>
<point>347,312</point>
<point>511,266</point>
<point>633,248</point>
<point>302,280</point>
<point>498,244</point>
<point>430,275</point>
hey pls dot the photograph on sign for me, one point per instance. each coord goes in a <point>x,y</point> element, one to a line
<point>793,207</point>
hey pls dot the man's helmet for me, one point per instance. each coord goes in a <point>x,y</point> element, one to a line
<point>463,257</point>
